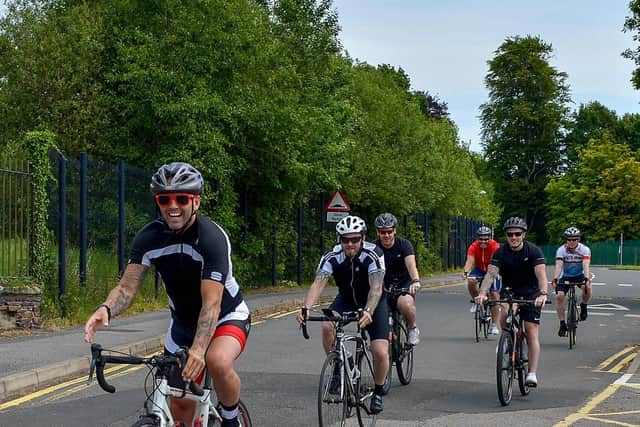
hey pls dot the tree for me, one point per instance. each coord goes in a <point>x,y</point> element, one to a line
<point>592,120</point>
<point>632,24</point>
<point>522,125</point>
<point>600,197</point>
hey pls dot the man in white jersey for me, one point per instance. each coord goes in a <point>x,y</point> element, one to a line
<point>572,264</point>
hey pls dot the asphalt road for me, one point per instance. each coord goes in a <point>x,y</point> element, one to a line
<point>453,382</point>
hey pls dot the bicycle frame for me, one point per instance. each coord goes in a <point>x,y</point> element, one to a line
<point>156,405</point>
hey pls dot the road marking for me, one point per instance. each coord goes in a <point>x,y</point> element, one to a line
<point>625,284</point>
<point>590,314</point>
<point>609,360</point>
<point>608,306</point>
<point>632,315</point>
<point>598,284</point>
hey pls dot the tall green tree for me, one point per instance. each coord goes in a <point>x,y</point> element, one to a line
<point>600,196</point>
<point>592,120</point>
<point>632,25</point>
<point>522,125</point>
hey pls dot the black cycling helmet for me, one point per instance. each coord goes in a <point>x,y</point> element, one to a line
<point>483,232</point>
<point>515,222</point>
<point>177,177</point>
<point>572,232</point>
<point>386,220</point>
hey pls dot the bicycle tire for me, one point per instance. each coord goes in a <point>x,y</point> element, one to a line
<point>332,407</point>
<point>243,416</point>
<point>504,368</point>
<point>572,320</point>
<point>522,363</point>
<point>404,361</point>
<point>478,321</point>
<point>364,390</point>
<point>486,316</point>
<point>147,421</point>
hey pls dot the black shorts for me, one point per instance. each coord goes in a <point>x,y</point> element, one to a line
<point>379,328</point>
<point>560,287</point>
<point>528,312</point>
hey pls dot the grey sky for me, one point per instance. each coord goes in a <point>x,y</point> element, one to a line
<point>444,46</point>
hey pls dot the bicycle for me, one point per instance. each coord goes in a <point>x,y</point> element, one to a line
<point>482,316</point>
<point>400,351</point>
<point>512,352</point>
<point>572,309</point>
<point>351,361</point>
<point>166,382</point>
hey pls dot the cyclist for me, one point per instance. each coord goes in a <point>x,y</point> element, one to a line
<point>572,264</point>
<point>401,270</point>
<point>193,256</point>
<point>478,255</point>
<point>521,265</point>
<point>357,267</point>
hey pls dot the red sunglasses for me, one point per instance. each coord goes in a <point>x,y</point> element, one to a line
<point>181,199</point>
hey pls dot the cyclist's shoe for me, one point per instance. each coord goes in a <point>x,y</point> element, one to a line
<point>562,332</point>
<point>376,404</point>
<point>494,330</point>
<point>583,312</point>
<point>414,336</point>
<point>532,380</point>
<point>473,308</point>
<point>230,423</point>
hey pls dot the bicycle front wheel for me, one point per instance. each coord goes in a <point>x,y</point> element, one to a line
<point>572,321</point>
<point>147,421</point>
<point>332,393</point>
<point>364,390</point>
<point>522,363</point>
<point>404,361</point>
<point>478,320</point>
<point>504,368</point>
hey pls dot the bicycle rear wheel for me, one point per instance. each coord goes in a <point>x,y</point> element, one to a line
<point>404,359</point>
<point>522,363</point>
<point>332,393</point>
<point>364,390</point>
<point>505,368</point>
<point>572,320</point>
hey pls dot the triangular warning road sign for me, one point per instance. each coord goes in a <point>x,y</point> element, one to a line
<point>337,203</point>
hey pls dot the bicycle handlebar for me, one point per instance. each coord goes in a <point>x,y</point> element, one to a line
<point>328,316</point>
<point>99,361</point>
<point>397,292</point>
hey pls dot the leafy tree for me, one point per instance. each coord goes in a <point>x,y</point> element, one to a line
<point>592,120</point>
<point>431,106</point>
<point>632,25</point>
<point>522,125</point>
<point>600,197</point>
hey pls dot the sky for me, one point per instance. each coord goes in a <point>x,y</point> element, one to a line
<point>444,47</point>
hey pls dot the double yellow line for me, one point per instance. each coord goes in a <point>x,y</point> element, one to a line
<point>623,358</point>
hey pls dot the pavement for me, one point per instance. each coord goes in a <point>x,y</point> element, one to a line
<point>34,362</point>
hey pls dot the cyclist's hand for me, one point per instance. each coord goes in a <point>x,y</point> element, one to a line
<point>195,365</point>
<point>302,318</point>
<point>365,320</point>
<point>465,275</point>
<point>554,282</point>
<point>480,299</point>
<point>415,287</point>
<point>540,300</point>
<point>97,320</point>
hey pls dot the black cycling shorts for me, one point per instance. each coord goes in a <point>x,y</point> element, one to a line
<point>528,312</point>
<point>379,328</point>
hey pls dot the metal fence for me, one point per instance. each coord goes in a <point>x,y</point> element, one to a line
<point>626,252</point>
<point>15,218</point>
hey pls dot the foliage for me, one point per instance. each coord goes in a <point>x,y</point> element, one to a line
<point>522,125</point>
<point>632,25</point>
<point>600,197</point>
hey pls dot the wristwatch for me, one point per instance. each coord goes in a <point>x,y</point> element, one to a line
<point>367,309</point>
<point>108,310</point>
<point>545,293</point>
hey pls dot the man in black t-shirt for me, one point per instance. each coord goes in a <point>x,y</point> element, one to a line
<point>193,256</point>
<point>522,267</point>
<point>400,262</point>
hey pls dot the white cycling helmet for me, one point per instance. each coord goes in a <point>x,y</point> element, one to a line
<point>351,224</point>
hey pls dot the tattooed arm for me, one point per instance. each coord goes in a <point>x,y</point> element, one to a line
<point>492,274</point>
<point>322,277</point>
<point>375,289</point>
<point>119,299</point>
<point>211,292</point>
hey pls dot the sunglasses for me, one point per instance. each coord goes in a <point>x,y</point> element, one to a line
<point>516,234</point>
<point>346,240</point>
<point>483,240</point>
<point>386,232</point>
<point>181,199</point>
<point>572,240</point>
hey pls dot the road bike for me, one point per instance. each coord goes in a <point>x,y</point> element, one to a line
<point>482,316</point>
<point>347,379</point>
<point>573,317</point>
<point>400,351</point>
<point>164,370</point>
<point>512,352</point>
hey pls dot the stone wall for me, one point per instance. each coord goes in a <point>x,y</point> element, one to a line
<point>20,307</point>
